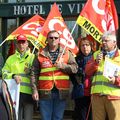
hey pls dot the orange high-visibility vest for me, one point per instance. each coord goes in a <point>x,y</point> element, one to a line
<point>51,75</point>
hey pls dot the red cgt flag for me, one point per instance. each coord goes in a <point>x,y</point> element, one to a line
<point>31,29</point>
<point>55,21</point>
<point>98,16</point>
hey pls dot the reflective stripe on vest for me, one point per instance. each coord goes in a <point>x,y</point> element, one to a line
<point>50,75</point>
<point>23,75</point>
<point>48,69</point>
<point>101,84</point>
<point>17,65</point>
<point>105,84</point>
<point>25,86</point>
<point>54,77</point>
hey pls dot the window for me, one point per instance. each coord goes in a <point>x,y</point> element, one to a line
<point>11,26</point>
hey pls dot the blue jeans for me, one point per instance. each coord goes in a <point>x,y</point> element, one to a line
<point>52,109</point>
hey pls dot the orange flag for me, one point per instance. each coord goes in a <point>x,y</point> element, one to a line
<point>31,29</point>
<point>55,21</point>
<point>98,16</point>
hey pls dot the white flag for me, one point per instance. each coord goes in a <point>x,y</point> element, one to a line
<point>14,90</point>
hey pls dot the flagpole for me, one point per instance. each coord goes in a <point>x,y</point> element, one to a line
<point>73,28</point>
<point>33,50</point>
<point>3,42</point>
<point>67,41</point>
<point>32,56</point>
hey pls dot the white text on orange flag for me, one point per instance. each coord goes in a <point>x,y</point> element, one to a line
<point>31,29</point>
<point>55,21</point>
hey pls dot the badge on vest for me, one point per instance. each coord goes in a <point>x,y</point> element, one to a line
<point>45,64</point>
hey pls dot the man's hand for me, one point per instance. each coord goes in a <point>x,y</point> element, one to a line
<point>60,64</point>
<point>112,79</point>
<point>99,57</point>
<point>35,96</point>
<point>17,78</point>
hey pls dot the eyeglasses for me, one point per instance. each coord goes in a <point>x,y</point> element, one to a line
<point>106,40</point>
<point>53,38</point>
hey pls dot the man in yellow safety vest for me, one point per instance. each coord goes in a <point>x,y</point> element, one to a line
<point>105,90</point>
<point>17,67</point>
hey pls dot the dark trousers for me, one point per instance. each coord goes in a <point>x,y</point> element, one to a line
<point>81,110</point>
<point>3,111</point>
<point>25,107</point>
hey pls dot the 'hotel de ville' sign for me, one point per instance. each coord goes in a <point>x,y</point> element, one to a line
<point>42,8</point>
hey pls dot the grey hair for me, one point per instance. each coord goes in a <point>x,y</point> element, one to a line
<point>110,35</point>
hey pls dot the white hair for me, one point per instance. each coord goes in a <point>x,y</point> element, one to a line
<point>110,35</point>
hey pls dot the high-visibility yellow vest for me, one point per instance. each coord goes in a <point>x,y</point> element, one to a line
<point>101,84</point>
<point>16,65</point>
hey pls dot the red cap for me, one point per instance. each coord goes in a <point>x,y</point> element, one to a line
<point>21,37</point>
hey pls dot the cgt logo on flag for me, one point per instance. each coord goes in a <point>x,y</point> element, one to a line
<point>98,16</point>
<point>31,29</point>
<point>55,21</point>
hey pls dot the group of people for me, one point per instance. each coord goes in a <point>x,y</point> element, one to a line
<point>46,78</point>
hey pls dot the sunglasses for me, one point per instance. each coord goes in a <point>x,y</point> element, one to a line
<point>53,38</point>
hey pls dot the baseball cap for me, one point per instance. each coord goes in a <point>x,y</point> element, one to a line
<point>21,37</point>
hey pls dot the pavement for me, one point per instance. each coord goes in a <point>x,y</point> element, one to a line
<point>67,115</point>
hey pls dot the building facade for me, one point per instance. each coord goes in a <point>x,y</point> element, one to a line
<point>13,13</point>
